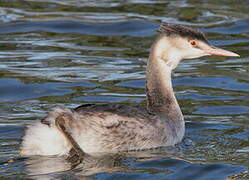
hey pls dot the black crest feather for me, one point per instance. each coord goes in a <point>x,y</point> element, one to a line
<point>183,31</point>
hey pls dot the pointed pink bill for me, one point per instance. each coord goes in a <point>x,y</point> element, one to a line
<point>220,52</point>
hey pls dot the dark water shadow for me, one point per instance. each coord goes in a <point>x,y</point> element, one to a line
<point>130,27</point>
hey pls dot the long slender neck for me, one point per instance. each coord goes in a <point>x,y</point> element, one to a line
<point>160,95</point>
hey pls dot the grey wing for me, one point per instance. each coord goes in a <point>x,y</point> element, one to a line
<point>120,127</point>
<point>111,128</point>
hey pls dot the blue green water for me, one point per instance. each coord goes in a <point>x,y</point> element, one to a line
<point>70,52</point>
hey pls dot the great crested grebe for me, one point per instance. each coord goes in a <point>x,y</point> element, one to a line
<point>96,128</point>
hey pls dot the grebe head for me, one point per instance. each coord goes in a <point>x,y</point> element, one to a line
<point>177,42</point>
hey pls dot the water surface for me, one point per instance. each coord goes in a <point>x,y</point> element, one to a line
<point>72,52</point>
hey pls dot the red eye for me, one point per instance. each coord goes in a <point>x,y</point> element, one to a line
<point>193,43</point>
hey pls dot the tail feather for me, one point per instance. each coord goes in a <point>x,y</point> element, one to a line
<point>43,139</point>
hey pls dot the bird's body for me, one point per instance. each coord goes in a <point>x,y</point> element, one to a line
<point>111,127</point>
<point>117,127</point>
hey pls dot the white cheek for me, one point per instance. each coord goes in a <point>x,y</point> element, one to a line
<point>173,58</point>
<point>193,53</point>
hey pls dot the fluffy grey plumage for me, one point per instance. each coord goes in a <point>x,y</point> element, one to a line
<point>104,128</point>
<point>182,31</point>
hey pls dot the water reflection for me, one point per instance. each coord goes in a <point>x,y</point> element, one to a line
<point>41,167</point>
<point>47,167</point>
<point>147,164</point>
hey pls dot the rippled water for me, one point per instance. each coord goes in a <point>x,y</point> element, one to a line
<point>69,52</point>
